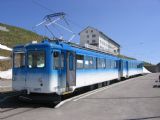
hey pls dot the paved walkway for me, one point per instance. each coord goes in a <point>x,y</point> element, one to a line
<point>134,99</point>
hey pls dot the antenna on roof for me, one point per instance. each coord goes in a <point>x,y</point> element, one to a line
<point>53,19</point>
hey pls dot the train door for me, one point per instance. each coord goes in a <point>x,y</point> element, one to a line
<point>19,70</point>
<point>127,69</point>
<point>71,70</point>
<point>120,70</point>
<point>60,65</point>
<point>36,69</point>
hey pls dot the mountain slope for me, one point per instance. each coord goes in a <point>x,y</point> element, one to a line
<point>14,35</point>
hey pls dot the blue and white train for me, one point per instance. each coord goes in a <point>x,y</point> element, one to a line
<point>57,67</point>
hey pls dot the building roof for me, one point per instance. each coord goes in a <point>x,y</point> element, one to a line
<point>102,35</point>
<point>109,38</point>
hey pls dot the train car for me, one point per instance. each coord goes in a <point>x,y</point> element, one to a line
<point>58,67</point>
<point>128,68</point>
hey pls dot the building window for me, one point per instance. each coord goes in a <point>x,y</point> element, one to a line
<point>87,41</point>
<point>91,31</point>
<point>93,41</point>
<point>87,36</point>
<point>86,31</point>
<point>93,35</point>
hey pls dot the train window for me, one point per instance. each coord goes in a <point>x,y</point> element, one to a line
<point>79,60</point>
<point>115,64</point>
<point>94,63</point>
<point>108,64</point>
<point>101,63</point>
<point>86,63</point>
<point>89,62</point>
<point>56,59</point>
<point>36,59</point>
<point>19,60</point>
<point>112,64</point>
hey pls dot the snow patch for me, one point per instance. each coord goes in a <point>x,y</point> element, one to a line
<point>5,47</point>
<point>6,74</point>
<point>4,29</point>
<point>2,58</point>
<point>145,70</point>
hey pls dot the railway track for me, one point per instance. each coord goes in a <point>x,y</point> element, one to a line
<point>10,112</point>
<point>11,106</point>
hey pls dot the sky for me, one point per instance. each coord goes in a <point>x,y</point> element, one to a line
<point>134,24</point>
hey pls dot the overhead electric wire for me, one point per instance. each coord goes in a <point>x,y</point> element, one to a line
<point>58,31</point>
<point>65,20</point>
<point>42,6</point>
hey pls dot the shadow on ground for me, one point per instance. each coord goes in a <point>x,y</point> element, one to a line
<point>11,100</point>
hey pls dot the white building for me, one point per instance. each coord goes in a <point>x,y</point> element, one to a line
<point>92,36</point>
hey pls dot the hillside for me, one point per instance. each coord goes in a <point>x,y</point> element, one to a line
<point>14,36</point>
<point>126,57</point>
<point>11,36</point>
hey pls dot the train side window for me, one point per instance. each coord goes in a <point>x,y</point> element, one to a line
<point>56,59</point>
<point>94,63</point>
<point>19,60</point>
<point>86,63</point>
<point>79,61</point>
<point>108,64</point>
<point>113,64</point>
<point>89,62</point>
<point>101,63</point>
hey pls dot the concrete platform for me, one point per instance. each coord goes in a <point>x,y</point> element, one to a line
<point>134,99</point>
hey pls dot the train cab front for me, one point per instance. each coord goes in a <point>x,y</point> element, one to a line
<point>31,68</point>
